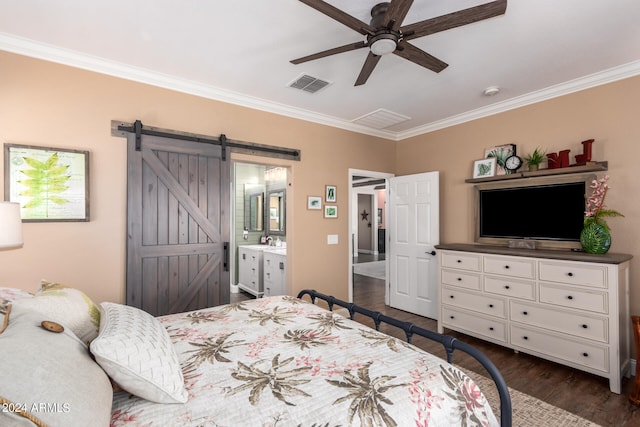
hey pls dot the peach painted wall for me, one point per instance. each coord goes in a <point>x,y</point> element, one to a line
<point>610,114</point>
<point>47,104</point>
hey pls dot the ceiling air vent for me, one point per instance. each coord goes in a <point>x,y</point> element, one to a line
<point>381,119</point>
<point>308,83</point>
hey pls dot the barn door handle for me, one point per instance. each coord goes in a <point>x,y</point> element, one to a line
<point>225,264</point>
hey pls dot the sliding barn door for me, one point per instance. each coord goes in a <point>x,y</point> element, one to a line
<point>177,225</point>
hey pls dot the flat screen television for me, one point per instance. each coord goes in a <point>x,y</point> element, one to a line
<point>547,210</point>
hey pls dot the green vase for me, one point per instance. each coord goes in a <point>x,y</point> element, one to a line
<point>595,239</point>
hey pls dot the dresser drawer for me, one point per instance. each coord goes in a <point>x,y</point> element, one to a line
<point>250,256</point>
<point>573,297</point>
<point>273,263</point>
<point>590,327</point>
<point>463,321</point>
<point>461,279</point>
<point>461,260</point>
<point>510,287</point>
<point>592,356</point>
<point>481,303</point>
<point>508,266</point>
<point>573,273</point>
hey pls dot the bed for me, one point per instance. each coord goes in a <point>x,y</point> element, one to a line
<point>271,361</point>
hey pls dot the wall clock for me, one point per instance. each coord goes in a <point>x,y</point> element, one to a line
<point>512,163</point>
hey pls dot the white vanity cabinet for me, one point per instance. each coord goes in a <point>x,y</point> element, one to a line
<point>274,272</point>
<point>250,269</point>
<point>567,307</point>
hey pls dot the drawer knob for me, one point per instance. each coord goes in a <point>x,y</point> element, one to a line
<point>490,305</point>
<point>585,326</point>
<point>525,313</point>
<point>570,274</point>
<point>585,354</point>
<point>452,317</point>
<point>525,338</point>
<point>459,279</point>
<point>458,261</point>
<point>507,287</point>
<point>451,296</point>
<point>506,266</point>
<point>491,328</point>
<point>569,297</point>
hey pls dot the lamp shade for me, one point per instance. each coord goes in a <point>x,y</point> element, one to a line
<point>10,225</point>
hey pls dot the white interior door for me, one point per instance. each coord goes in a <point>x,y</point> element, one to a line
<point>413,231</point>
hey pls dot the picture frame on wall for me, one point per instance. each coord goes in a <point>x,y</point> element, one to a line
<point>50,184</point>
<point>314,202</point>
<point>331,211</point>
<point>330,195</point>
<point>501,153</point>
<point>484,168</point>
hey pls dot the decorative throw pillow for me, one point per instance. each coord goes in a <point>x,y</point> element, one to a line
<point>136,351</point>
<point>68,306</point>
<point>50,376</point>
<point>7,295</point>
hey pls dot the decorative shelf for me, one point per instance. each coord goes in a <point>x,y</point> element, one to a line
<point>595,167</point>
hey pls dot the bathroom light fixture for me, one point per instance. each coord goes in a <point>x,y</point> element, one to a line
<point>10,226</point>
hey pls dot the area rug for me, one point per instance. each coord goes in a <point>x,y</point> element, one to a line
<point>527,410</point>
<point>375,269</point>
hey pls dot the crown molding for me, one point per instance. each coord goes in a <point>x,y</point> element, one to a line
<point>22,46</point>
<point>74,59</point>
<point>597,79</point>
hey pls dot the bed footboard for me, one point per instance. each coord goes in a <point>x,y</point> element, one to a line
<point>449,343</point>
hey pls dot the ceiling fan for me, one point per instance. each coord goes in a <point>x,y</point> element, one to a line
<point>384,34</point>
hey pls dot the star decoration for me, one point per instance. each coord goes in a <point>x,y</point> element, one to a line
<point>365,215</point>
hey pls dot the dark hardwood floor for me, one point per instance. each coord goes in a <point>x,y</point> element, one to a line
<point>578,392</point>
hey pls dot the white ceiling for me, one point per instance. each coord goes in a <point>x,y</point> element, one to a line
<point>238,51</point>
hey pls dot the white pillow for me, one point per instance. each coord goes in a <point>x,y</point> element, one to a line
<point>8,295</point>
<point>50,375</point>
<point>66,305</point>
<point>135,350</point>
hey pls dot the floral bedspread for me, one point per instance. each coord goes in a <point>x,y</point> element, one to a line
<point>280,361</point>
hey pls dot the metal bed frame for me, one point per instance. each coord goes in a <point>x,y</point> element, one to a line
<point>448,342</point>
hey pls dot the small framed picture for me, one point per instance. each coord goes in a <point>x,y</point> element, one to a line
<point>314,202</point>
<point>501,154</point>
<point>484,168</point>
<point>331,212</point>
<point>330,195</point>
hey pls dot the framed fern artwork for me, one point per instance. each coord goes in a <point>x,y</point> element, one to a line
<point>51,184</point>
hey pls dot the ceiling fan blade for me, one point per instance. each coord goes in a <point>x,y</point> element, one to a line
<point>340,16</point>
<point>420,57</point>
<point>335,50</point>
<point>455,19</point>
<point>396,13</point>
<point>369,64</point>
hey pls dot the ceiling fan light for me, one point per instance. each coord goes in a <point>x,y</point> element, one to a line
<point>383,46</point>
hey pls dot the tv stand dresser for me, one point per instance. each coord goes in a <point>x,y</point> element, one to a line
<point>568,307</point>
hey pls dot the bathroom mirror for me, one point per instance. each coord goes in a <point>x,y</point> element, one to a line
<point>276,209</point>
<point>254,207</point>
